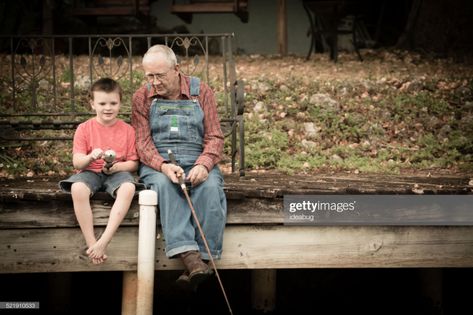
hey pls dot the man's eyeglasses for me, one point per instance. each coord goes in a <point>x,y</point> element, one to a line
<point>151,77</point>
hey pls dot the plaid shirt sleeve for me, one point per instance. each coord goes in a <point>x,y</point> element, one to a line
<point>213,135</point>
<point>145,147</point>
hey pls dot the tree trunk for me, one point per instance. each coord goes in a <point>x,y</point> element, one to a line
<point>406,40</point>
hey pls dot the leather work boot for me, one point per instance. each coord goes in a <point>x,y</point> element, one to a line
<point>196,269</point>
<point>183,281</point>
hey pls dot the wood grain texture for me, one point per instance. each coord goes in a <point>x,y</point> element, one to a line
<point>252,247</point>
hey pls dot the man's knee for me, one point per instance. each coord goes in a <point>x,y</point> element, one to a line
<point>155,180</point>
<point>212,187</point>
<point>214,181</point>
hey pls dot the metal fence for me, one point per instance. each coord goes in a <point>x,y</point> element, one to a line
<point>44,79</point>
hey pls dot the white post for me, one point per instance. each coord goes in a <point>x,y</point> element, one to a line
<point>129,293</point>
<point>148,200</point>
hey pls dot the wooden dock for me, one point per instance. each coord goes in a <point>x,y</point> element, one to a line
<point>39,232</point>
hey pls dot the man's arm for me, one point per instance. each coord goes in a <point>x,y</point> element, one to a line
<point>213,135</point>
<point>145,147</point>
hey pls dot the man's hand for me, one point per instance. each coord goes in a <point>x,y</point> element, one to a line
<point>198,175</point>
<point>172,171</point>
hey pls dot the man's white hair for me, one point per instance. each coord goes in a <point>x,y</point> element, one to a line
<point>164,50</point>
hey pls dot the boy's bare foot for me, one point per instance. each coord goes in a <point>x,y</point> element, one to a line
<point>98,261</point>
<point>97,250</point>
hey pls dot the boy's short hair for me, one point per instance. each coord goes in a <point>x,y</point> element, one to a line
<point>106,85</point>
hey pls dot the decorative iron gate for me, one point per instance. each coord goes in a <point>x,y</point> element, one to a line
<point>44,80</point>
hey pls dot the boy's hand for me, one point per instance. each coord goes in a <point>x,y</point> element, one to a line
<point>111,170</point>
<point>96,154</point>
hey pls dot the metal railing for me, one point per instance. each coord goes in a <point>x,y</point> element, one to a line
<point>44,79</point>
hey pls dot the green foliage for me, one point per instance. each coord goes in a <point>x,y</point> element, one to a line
<point>66,76</point>
<point>381,120</point>
<point>264,146</point>
<point>129,87</point>
<point>405,129</point>
<point>9,164</point>
<point>297,162</point>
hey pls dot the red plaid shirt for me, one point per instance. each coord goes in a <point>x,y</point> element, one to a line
<point>213,136</point>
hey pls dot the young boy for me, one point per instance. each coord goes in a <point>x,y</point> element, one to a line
<point>92,138</point>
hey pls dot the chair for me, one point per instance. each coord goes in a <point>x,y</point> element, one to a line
<point>324,18</point>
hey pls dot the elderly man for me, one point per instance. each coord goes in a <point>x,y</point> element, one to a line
<point>178,112</point>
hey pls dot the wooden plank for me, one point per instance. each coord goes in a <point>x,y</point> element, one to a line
<point>263,290</point>
<point>56,213</point>
<point>253,247</point>
<point>105,3</point>
<point>273,185</point>
<point>118,11</point>
<point>214,7</point>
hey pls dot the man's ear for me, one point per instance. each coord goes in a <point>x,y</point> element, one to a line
<point>91,102</point>
<point>176,67</point>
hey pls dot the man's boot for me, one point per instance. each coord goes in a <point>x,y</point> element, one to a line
<point>196,269</point>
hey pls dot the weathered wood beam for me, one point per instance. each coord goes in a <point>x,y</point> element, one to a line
<point>263,289</point>
<point>118,11</point>
<point>54,213</point>
<point>272,186</point>
<point>252,247</point>
<point>211,7</point>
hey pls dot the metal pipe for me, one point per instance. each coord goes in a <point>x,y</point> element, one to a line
<point>148,200</point>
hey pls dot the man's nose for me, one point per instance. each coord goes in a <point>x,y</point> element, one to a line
<point>156,81</point>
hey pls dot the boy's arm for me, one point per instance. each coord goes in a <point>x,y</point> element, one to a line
<point>80,161</point>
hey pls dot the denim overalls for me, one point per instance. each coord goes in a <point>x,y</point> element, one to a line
<point>178,125</point>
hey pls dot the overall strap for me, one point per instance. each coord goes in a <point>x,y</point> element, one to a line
<point>194,86</point>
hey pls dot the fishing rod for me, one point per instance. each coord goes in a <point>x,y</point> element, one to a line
<point>194,215</point>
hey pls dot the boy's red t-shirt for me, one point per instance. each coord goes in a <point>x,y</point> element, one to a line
<point>119,137</point>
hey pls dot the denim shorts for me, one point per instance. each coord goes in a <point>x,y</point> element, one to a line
<point>100,182</point>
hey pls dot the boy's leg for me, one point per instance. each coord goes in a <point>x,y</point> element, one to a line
<point>124,197</point>
<point>80,196</point>
<point>81,186</point>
